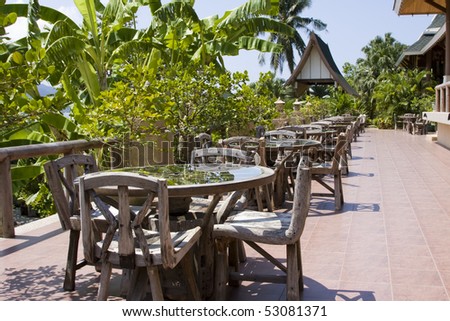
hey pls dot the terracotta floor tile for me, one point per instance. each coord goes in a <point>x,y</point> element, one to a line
<point>409,249</point>
<point>353,291</point>
<point>442,263</point>
<point>403,262</point>
<point>365,274</point>
<point>419,293</point>
<point>366,259</point>
<point>321,272</point>
<point>414,277</point>
<point>378,248</point>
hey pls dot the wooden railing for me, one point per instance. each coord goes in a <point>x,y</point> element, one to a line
<point>9,154</point>
<point>442,103</point>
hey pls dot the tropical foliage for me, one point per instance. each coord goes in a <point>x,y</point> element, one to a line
<point>289,13</point>
<point>385,89</point>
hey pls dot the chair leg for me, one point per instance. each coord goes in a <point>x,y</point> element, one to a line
<point>299,266</point>
<point>241,252</point>
<point>338,195</point>
<point>344,164</point>
<point>221,270</point>
<point>103,288</point>
<point>235,251</point>
<point>155,283</point>
<point>125,282</point>
<point>136,282</point>
<point>292,278</point>
<point>187,266</point>
<point>71,265</point>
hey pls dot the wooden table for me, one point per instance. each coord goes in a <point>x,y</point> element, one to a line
<point>408,121</point>
<point>277,150</point>
<point>185,181</point>
<point>323,136</point>
<point>279,154</point>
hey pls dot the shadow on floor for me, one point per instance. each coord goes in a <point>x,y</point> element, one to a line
<point>315,291</point>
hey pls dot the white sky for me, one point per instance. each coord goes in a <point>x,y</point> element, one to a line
<point>352,24</point>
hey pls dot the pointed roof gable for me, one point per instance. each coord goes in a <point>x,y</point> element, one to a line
<point>317,66</point>
<point>434,34</point>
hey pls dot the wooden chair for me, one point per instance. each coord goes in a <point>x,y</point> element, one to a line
<point>420,126</point>
<point>60,175</point>
<point>277,135</point>
<point>255,150</point>
<point>408,122</point>
<point>362,123</point>
<point>203,140</point>
<point>221,155</point>
<point>325,124</point>
<point>127,244</point>
<point>271,228</point>
<point>320,171</point>
<point>300,131</point>
<point>247,143</point>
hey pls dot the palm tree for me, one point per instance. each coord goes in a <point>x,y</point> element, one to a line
<point>289,13</point>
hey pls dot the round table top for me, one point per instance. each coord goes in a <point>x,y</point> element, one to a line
<point>186,180</point>
<point>293,143</point>
<point>321,132</point>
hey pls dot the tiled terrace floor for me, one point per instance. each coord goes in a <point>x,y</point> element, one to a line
<point>390,242</point>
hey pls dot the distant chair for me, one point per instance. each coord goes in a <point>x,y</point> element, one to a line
<point>280,135</point>
<point>221,155</point>
<point>260,130</point>
<point>325,124</point>
<point>203,140</point>
<point>362,123</point>
<point>248,144</point>
<point>420,126</point>
<point>300,131</point>
<point>324,169</point>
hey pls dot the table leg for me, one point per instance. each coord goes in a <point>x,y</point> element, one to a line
<point>205,255</point>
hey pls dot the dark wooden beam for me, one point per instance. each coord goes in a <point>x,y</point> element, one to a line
<point>436,5</point>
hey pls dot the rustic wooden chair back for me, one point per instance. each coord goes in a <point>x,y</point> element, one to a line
<point>203,140</point>
<point>300,131</point>
<point>325,124</point>
<point>355,125</point>
<point>221,155</point>
<point>319,171</point>
<point>279,135</point>
<point>274,228</point>
<point>126,244</point>
<point>247,143</point>
<point>60,176</point>
<point>349,134</point>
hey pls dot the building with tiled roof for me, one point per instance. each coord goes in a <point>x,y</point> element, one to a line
<point>317,67</point>
<point>428,52</point>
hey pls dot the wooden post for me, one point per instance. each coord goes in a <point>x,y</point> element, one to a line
<point>447,40</point>
<point>6,200</point>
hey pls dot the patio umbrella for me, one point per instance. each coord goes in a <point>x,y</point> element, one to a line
<point>407,7</point>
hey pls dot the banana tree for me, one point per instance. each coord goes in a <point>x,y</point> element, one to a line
<point>189,39</point>
<point>84,56</point>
